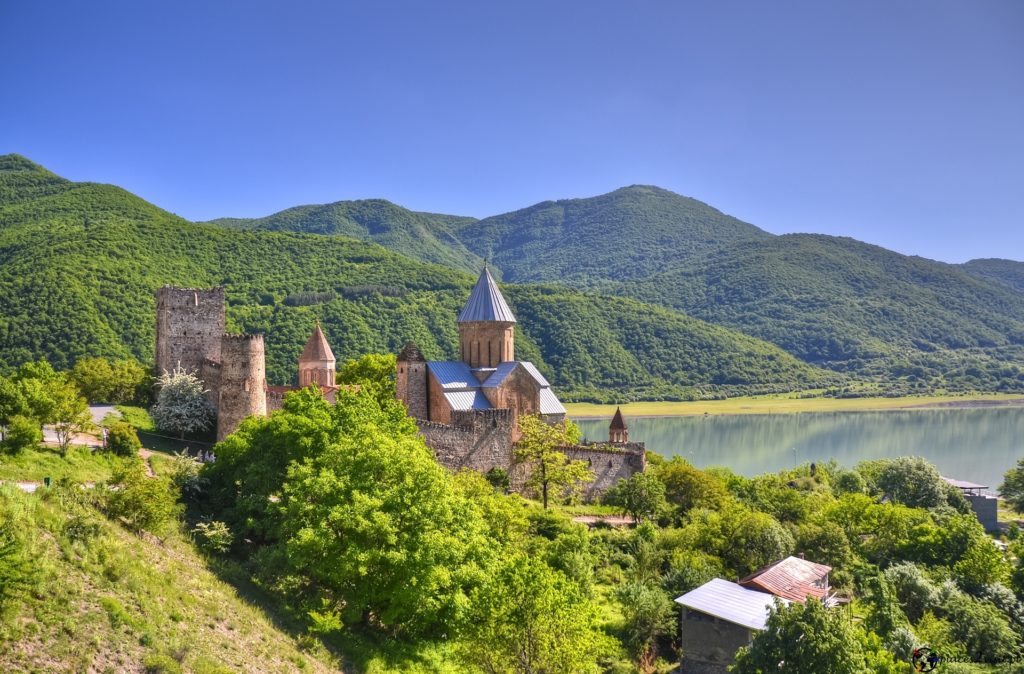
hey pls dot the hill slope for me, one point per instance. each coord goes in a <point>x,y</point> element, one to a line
<point>840,302</point>
<point>427,237</point>
<point>79,263</point>
<point>630,233</point>
<point>106,600</point>
<point>1007,272</point>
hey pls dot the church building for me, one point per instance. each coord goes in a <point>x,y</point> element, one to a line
<point>486,377</point>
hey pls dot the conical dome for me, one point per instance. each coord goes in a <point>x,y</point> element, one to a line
<point>486,302</point>
<point>317,348</point>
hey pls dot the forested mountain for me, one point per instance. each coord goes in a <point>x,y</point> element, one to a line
<point>428,237</point>
<point>1007,272</point>
<point>79,263</point>
<point>630,233</point>
<point>840,302</point>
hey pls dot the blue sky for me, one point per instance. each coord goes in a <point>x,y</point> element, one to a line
<point>898,123</point>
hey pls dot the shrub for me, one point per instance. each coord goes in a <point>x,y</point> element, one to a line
<point>213,536</point>
<point>122,439</point>
<point>22,433</point>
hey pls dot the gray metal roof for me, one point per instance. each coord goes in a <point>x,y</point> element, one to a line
<point>964,484</point>
<point>453,375</point>
<point>549,403</point>
<point>501,373</point>
<point>486,302</point>
<point>731,602</point>
<point>467,400</point>
<point>534,372</point>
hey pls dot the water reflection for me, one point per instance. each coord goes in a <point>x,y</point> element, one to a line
<point>979,445</point>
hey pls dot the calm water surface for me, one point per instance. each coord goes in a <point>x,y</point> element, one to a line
<point>978,445</point>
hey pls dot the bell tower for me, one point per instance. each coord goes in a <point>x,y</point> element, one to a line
<point>486,326</point>
<point>317,364</point>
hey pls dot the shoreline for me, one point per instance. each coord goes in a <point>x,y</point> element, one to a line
<point>768,405</point>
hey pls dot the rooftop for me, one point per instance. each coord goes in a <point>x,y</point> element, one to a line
<point>791,578</point>
<point>731,602</point>
<point>317,347</point>
<point>486,303</point>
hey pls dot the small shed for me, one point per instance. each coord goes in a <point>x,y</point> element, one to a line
<point>719,618</point>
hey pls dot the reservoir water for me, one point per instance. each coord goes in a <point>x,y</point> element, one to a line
<point>974,444</point>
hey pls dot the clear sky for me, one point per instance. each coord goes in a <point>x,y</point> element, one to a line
<point>899,123</point>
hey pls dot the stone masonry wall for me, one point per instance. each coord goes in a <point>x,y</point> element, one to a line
<point>609,464</point>
<point>479,440</point>
<point>411,383</point>
<point>189,325</point>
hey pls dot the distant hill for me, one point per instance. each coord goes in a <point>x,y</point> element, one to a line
<point>1007,272</point>
<point>839,302</point>
<point>79,263</point>
<point>428,237</point>
<point>630,233</point>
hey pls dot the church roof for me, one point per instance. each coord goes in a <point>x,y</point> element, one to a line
<point>453,375</point>
<point>317,347</point>
<point>618,423</point>
<point>486,302</point>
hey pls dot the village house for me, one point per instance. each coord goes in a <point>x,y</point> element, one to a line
<point>720,617</point>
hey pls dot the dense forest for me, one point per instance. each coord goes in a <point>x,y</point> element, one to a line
<point>831,301</point>
<point>79,263</point>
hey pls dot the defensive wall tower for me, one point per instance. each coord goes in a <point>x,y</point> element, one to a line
<point>411,381</point>
<point>189,326</point>
<point>243,381</point>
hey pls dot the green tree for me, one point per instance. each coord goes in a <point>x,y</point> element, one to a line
<point>12,403</point>
<point>649,615</point>
<point>376,523</point>
<point>1012,488</point>
<point>528,618</point>
<point>103,381</point>
<point>376,371</point>
<point>687,487</point>
<point>22,433</point>
<point>538,448</point>
<point>181,405</point>
<point>141,502</point>
<point>811,638</point>
<point>914,482</point>
<point>641,496</point>
<point>753,540</point>
<point>70,413</point>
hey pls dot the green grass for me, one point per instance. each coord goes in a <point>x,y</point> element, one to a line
<point>780,404</point>
<point>109,601</point>
<point>80,464</point>
<point>136,416</point>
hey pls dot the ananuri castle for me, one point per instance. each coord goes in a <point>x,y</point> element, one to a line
<point>467,410</point>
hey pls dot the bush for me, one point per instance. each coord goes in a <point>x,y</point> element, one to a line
<point>22,433</point>
<point>142,503</point>
<point>213,536</point>
<point>123,440</point>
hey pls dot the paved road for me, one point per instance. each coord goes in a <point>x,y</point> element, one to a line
<point>98,413</point>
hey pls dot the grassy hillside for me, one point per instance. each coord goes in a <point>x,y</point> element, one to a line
<point>79,263</point>
<point>1007,272</point>
<point>630,233</point>
<point>105,600</point>
<point>427,237</point>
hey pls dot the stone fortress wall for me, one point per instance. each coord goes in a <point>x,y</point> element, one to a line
<point>189,326</point>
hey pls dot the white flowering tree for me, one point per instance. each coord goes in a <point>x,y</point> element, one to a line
<point>181,404</point>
